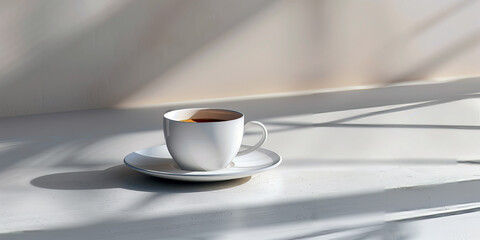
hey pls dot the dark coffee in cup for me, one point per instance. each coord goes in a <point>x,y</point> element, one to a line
<point>200,120</point>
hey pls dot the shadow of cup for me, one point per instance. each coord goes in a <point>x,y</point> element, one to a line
<point>120,176</point>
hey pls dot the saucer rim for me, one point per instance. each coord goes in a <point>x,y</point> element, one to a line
<point>212,173</point>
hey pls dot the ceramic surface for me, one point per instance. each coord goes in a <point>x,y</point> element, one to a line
<point>206,146</point>
<point>157,161</point>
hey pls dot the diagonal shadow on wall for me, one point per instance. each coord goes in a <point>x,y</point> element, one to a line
<point>115,55</point>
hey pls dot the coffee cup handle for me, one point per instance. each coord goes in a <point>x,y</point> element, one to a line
<point>262,140</point>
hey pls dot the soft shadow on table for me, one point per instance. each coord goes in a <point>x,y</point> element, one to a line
<point>451,197</point>
<point>120,176</point>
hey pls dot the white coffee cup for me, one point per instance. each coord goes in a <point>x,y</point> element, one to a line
<point>210,145</point>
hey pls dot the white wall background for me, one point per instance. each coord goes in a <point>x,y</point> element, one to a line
<point>61,55</point>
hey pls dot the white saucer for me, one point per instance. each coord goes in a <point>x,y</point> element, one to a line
<point>157,161</point>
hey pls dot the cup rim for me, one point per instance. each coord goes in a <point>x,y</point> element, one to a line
<point>165,115</point>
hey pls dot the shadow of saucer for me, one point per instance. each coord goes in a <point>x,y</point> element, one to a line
<point>120,176</point>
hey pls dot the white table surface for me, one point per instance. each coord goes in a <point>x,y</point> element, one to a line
<point>400,162</point>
